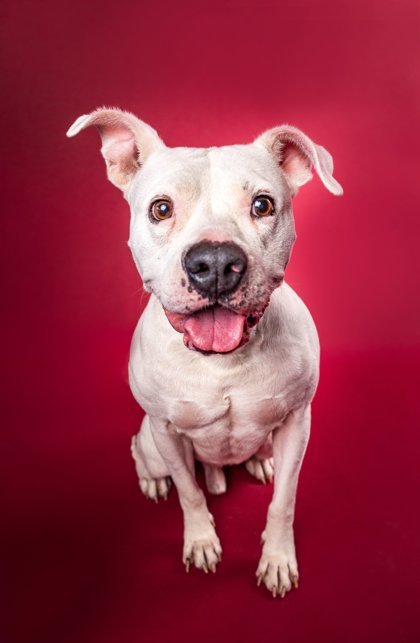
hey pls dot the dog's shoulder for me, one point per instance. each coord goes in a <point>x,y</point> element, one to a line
<point>288,320</point>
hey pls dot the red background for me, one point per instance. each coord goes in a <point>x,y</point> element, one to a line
<point>85,557</point>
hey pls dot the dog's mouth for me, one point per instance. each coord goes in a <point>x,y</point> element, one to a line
<point>214,329</point>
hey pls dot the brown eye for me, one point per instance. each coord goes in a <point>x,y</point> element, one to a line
<point>262,206</point>
<point>162,209</point>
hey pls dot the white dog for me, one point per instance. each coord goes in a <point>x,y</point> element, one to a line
<point>225,358</point>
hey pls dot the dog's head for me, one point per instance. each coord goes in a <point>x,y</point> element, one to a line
<point>211,229</point>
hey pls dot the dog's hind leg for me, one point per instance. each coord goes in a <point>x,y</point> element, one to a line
<point>215,479</point>
<point>152,471</point>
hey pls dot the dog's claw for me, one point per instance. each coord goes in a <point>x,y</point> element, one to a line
<point>187,565</point>
<point>213,568</point>
<point>218,555</point>
<point>274,592</point>
<point>283,592</point>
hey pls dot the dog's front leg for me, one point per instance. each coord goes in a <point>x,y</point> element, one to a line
<point>278,567</point>
<point>201,545</point>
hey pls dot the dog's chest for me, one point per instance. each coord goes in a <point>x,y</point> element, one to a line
<point>227,406</point>
<point>228,417</point>
<point>228,430</point>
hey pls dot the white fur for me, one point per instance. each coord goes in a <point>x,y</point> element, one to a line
<point>251,405</point>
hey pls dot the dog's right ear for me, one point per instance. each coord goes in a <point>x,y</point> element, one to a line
<point>126,142</point>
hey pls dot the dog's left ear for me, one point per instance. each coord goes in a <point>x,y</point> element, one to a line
<point>126,141</point>
<point>297,154</point>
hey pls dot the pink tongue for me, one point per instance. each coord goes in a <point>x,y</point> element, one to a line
<point>214,329</point>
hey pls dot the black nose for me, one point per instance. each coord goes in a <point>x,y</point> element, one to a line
<point>215,268</point>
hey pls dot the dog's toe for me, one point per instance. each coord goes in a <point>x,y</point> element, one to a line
<point>156,488</point>
<point>204,554</point>
<point>261,469</point>
<point>278,573</point>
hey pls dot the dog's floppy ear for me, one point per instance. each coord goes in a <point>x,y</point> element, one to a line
<point>126,141</point>
<point>297,154</point>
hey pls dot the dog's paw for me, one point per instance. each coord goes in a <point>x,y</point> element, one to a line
<point>278,572</point>
<point>203,550</point>
<point>262,469</point>
<point>156,488</point>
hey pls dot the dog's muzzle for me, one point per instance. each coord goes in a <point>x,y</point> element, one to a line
<point>215,269</point>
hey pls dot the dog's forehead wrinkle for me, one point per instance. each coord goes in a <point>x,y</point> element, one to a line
<point>172,172</point>
<point>244,166</point>
<point>190,172</point>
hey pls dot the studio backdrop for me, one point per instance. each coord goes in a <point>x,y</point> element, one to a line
<point>85,556</point>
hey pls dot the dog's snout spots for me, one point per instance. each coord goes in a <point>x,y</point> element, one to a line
<point>183,282</point>
<point>278,279</point>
